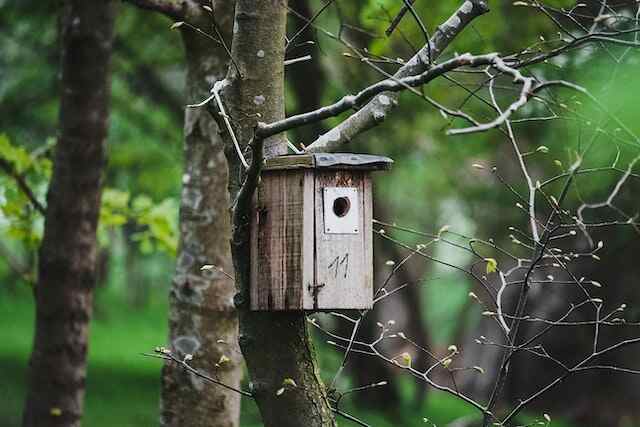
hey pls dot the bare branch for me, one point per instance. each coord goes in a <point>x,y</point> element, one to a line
<point>170,8</point>
<point>162,353</point>
<point>409,4</point>
<point>308,23</point>
<point>242,204</point>
<point>396,21</point>
<point>384,88</point>
<point>375,111</point>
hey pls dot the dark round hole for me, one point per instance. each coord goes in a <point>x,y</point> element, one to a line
<point>341,206</point>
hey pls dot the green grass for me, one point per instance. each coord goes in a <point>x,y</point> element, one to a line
<point>123,386</point>
<point>115,396</point>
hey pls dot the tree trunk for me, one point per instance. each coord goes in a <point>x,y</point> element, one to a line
<point>276,346</point>
<point>202,318</point>
<point>67,267</point>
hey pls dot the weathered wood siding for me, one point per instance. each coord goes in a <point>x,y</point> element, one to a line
<point>279,231</point>
<point>342,266</point>
<point>296,265</point>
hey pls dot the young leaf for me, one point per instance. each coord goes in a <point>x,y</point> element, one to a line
<point>289,382</point>
<point>406,359</point>
<point>492,265</point>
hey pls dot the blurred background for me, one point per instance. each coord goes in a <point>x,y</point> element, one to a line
<point>432,184</point>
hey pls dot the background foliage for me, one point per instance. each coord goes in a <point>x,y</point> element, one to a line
<point>432,183</point>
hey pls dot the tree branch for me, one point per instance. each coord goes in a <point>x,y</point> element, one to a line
<point>399,16</point>
<point>22,184</point>
<point>242,203</point>
<point>162,353</point>
<point>384,87</point>
<point>375,111</point>
<point>387,88</point>
<point>170,8</point>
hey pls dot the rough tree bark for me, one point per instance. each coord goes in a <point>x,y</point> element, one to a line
<point>276,346</point>
<point>202,318</point>
<point>67,266</point>
<point>202,321</point>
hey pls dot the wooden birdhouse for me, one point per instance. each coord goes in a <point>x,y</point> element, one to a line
<point>312,233</point>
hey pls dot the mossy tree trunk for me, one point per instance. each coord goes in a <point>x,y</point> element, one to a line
<point>202,319</point>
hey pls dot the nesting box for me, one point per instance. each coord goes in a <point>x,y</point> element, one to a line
<point>312,233</point>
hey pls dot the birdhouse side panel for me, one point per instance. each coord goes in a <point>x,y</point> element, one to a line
<point>278,234</point>
<point>343,276</point>
<point>367,229</point>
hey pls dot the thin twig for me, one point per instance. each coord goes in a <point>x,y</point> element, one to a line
<point>166,355</point>
<point>22,185</point>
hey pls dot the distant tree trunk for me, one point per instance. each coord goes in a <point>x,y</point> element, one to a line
<point>202,318</point>
<point>67,256</point>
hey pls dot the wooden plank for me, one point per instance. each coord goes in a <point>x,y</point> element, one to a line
<point>308,240</point>
<point>253,288</point>
<point>342,270</point>
<point>368,238</point>
<point>277,282</point>
<point>300,161</point>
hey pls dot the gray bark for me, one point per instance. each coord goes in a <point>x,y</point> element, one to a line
<point>202,319</point>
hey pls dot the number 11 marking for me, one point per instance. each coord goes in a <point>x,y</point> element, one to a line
<point>337,262</point>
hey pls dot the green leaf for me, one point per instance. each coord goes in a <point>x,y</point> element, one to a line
<point>405,358</point>
<point>542,149</point>
<point>146,246</point>
<point>115,199</point>
<point>113,219</point>
<point>18,157</point>
<point>492,265</point>
<point>142,203</point>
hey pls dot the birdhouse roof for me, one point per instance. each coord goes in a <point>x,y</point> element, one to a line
<point>339,161</point>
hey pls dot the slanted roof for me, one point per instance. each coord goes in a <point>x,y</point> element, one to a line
<point>339,161</point>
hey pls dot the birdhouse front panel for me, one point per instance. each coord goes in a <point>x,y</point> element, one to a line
<point>343,259</point>
<point>312,233</point>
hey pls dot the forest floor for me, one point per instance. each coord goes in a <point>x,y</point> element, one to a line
<point>123,386</point>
